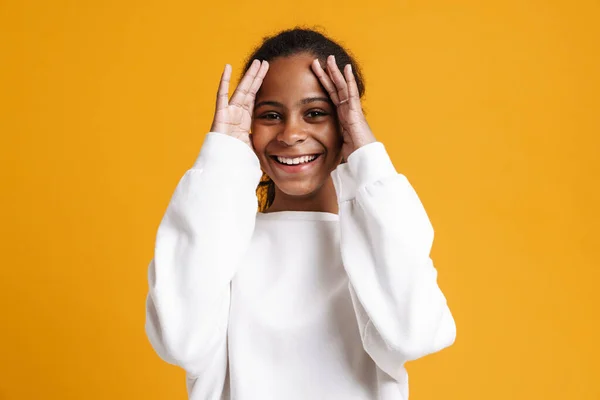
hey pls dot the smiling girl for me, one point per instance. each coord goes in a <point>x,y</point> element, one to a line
<point>326,291</point>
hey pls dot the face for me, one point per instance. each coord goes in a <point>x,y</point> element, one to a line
<point>295,129</point>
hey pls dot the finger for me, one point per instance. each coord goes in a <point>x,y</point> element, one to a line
<point>334,87</point>
<point>337,78</point>
<point>258,80</point>
<point>325,81</point>
<point>242,90</point>
<point>223,92</point>
<point>352,87</point>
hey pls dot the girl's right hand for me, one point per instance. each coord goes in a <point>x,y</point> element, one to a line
<point>234,117</point>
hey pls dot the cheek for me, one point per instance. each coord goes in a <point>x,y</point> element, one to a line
<point>260,137</point>
<point>333,140</point>
<point>332,137</point>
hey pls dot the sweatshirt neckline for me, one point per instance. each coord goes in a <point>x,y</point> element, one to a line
<point>298,216</point>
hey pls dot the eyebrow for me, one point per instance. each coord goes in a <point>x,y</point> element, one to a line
<point>314,99</point>
<point>305,101</point>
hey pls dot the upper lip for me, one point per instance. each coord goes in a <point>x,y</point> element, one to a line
<point>295,156</point>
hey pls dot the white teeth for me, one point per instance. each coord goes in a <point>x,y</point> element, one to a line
<point>295,161</point>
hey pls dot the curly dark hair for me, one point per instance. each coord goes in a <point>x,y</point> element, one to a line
<point>288,43</point>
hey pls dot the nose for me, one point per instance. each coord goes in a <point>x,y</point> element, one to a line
<point>293,133</point>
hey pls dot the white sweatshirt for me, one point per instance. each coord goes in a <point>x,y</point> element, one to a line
<point>294,305</point>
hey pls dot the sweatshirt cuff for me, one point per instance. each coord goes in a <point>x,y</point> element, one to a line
<point>226,152</point>
<point>368,164</point>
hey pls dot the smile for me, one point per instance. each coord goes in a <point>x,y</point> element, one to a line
<point>295,164</point>
<point>295,160</point>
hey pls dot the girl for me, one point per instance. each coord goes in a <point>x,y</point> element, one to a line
<point>328,290</point>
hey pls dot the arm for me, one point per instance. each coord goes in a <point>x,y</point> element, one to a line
<point>203,237</point>
<point>200,242</point>
<point>386,239</point>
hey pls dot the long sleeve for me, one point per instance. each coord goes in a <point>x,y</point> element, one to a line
<point>199,245</point>
<point>386,239</point>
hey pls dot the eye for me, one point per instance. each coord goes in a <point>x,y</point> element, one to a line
<point>270,116</point>
<point>316,113</point>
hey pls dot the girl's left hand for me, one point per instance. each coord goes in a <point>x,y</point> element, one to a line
<point>344,94</point>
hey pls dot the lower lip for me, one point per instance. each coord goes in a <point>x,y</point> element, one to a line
<point>295,168</point>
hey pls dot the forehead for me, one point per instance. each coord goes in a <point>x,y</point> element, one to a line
<point>290,78</point>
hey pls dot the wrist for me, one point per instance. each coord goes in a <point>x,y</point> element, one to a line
<point>364,141</point>
<point>369,164</point>
<point>238,134</point>
<point>360,142</point>
<point>225,151</point>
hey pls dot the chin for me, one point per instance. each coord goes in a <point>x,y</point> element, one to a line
<point>298,190</point>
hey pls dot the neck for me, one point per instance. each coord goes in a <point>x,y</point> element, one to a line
<point>323,199</point>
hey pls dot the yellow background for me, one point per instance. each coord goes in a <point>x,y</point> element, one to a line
<point>490,108</point>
